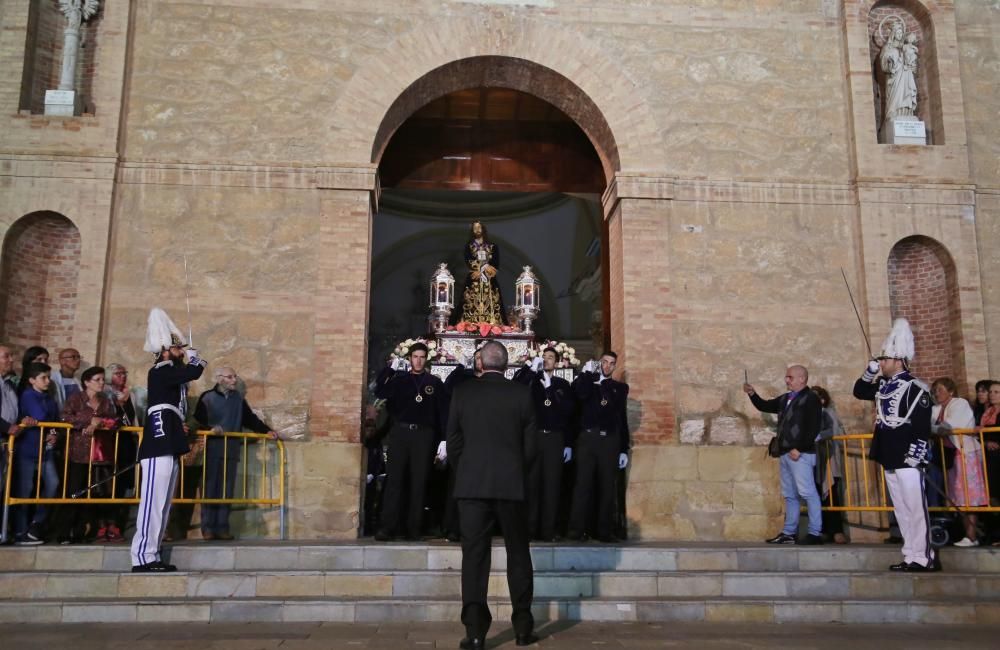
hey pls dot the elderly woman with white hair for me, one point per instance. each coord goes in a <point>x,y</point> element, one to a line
<point>130,407</point>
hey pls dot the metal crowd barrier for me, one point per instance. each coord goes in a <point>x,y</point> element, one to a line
<point>266,488</point>
<point>863,488</point>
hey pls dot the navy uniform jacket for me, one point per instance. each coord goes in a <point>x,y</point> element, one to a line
<point>400,389</point>
<point>602,406</point>
<point>163,433</point>
<point>557,415</point>
<point>902,416</point>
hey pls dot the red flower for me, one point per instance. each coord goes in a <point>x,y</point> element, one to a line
<point>496,330</point>
<point>484,329</point>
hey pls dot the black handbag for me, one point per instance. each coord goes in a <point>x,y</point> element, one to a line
<point>774,448</point>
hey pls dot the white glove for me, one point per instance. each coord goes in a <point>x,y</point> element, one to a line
<point>622,461</point>
<point>537,363</point>
<point>871,371</point>
<point>442,452</point>
<point>396,364</point>
<point>590,366</point>
<point>567,454</point>
<point>369,478</point>
<point>192,355</point>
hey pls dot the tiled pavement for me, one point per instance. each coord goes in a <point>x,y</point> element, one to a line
<point>564,635</point>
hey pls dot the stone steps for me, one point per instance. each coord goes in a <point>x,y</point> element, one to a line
<point>365,582</point>
<point>447,584</point>
<point>359,556</point>
<point>721,610</point>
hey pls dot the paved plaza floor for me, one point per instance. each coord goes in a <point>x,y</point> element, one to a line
<point>561,635</point>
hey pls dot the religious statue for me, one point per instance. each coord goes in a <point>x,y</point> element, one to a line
<point>481,299</point>
<point>898,62</point>
<point>76,11</point>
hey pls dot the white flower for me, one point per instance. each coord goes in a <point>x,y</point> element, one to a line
<point>397,351</point>
<point>431,345</point>
<point>532,353</point>
<point>560,347</point>
<point>571,350</point>
<point>403,351</point>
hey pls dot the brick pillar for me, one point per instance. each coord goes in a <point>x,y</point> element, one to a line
<point>326,486</point>
<point>642,308</point>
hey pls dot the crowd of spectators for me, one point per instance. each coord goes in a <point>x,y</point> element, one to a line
<point>97,460</point>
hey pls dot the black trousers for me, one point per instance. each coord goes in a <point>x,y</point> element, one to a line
<point>476,519</point>
<point>410,457</point>
<point>544,484</point>
<point>596,472</point>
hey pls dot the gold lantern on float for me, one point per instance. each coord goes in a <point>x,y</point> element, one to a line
<point>442,296</point>
<point>527,298</point>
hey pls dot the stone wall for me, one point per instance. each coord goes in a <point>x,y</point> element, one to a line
<point>744,175</point>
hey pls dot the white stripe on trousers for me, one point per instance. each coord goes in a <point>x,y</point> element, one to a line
<point>906,488</point>
<point>157,483</point>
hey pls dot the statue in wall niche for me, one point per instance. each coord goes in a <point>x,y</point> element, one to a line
<point>898,62</point>
<point>76,11</point>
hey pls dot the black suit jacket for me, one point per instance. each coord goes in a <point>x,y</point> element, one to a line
<point>492,437</point>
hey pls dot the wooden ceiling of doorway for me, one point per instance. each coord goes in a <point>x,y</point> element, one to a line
<point>491,139</point>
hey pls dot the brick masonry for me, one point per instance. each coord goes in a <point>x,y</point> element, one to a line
<point>38,284</point>
<point>923,289</point>
<point>745,174</point>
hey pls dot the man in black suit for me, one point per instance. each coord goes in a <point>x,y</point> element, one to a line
<point>492,439</point>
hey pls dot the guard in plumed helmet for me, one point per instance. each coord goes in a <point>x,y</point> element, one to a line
<point>163,437</point>
<point>902,427</point>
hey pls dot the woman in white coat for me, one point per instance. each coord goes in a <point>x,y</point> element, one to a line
<point>966,486</point>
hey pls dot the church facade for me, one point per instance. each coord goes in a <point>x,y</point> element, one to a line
<point>750,165</point>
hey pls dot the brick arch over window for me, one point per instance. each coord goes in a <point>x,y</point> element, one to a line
<point>38,281</point>
<point>923,289</point>
<point>372,104</point>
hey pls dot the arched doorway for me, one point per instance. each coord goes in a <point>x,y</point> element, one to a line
<point>488,139</point>
<point>923,288</point>
<point>38,282</point>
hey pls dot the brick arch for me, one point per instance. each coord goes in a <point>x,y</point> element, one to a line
<point>923,288</point>
<point>38,281</point>
<point>527,55</point>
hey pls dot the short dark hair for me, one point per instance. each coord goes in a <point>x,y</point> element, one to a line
<point>552,350</point>
<point>416,347</point>
<point>984,384</point>
<point>90,373</point>
<point>948,383</point>
<point>612,354</point>
<point>823,395</point>
<point>493,356</point>
<point>35,369</point>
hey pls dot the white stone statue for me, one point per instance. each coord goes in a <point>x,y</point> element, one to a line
<point>898,62</point>
<point>76,11</point>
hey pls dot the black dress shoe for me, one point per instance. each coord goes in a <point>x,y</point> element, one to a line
<point>812,540</point>
<point>781,538</point>
<point>154,567</point>
<point>472,644</point>
<point>913,567</point>
<point>899,566</point>
<point>526,639</point>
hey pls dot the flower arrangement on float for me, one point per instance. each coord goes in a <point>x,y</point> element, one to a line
<point>434,353</point>
<point>566,355</point>
<point>483,328</point>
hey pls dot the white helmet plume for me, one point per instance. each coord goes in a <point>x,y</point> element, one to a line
<point>161,333</point>
<point>899,344</point>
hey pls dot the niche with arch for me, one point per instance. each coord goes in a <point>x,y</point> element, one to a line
<point>923,289</point>
<point>914,19</point>
<point>38,281</point>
